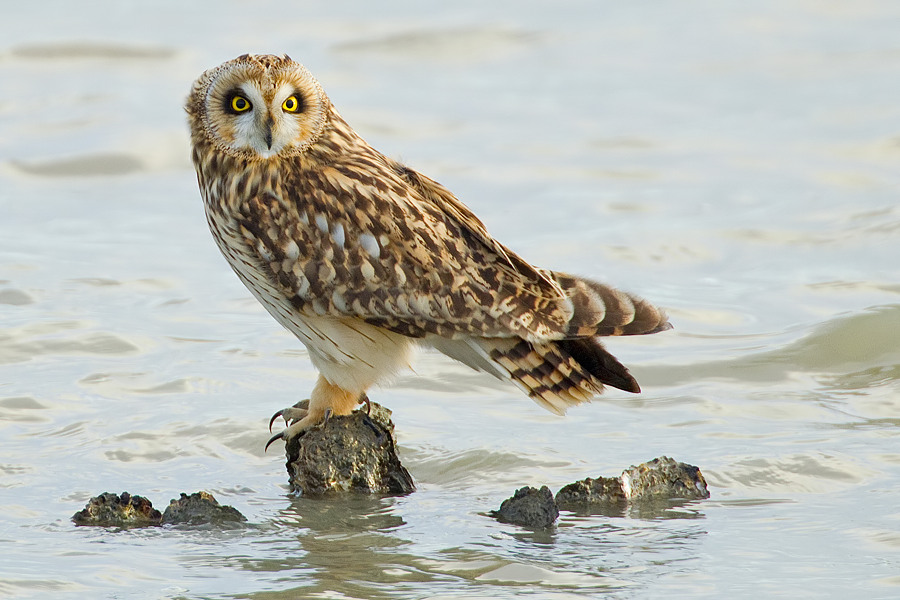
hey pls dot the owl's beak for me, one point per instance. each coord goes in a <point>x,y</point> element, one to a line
<point>269,123</point>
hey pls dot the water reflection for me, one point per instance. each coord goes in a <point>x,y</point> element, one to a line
<point>357,548</point>
<point>325,516</point>
<point>647,509</point>
<point>335,546</point>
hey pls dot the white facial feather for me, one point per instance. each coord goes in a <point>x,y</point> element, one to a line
<point>250,127</point>
<point>266,129</point>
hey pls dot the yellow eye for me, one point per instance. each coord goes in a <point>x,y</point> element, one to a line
<point>291,104</point>
<point>240,104</point>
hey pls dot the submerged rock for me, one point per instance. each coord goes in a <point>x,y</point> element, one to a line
<point>125,510</point>
<point>528,507</point>
<point>200,508</point>
<point>660,478</point>
<point>353,453</point>
<point>603,490</point>
<point>664,477</point>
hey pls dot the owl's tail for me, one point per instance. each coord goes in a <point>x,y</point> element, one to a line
<point>600,310</point>
<point>560,373</point>
<point>552,376</point>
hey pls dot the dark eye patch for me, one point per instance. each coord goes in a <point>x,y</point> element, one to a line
<point>236,103</point>
<point>301,105</point>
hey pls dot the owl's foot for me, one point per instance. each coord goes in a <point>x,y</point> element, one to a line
<point>298,424</point>
<point>326,400</point>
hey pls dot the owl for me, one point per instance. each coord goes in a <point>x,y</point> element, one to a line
<point>363,258</point>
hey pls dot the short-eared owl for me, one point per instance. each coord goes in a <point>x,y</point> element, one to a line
<point>362,257</point>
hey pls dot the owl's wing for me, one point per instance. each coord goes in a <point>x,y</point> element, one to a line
<point>446,202</point>
<point>397,253</point>
<point>555,305</point>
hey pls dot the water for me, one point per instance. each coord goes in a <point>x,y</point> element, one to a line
<point>736,163</point>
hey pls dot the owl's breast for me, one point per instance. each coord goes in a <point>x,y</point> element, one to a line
<point>300,268</point>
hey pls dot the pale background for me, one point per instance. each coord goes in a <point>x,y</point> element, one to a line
<point>735,162</point>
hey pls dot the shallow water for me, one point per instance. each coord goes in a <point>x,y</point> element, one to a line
<point>737,165</point>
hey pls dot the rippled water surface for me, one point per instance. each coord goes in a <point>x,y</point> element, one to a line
<point>736,163</point>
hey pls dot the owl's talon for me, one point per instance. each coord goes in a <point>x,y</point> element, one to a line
<point>271,421</point>
<point>277,436</point>
<point>364,399</point>
<point>291,414</point>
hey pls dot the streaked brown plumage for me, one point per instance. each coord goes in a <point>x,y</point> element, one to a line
<point>361,257</point>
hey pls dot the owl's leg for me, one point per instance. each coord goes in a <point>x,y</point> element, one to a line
<point>326,400</point>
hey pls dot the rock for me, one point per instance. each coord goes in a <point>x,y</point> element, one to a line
<point>353,453</point>
<point>664,477</point>
<point>528,507</point>
<point>200,508</point>
<point>125,510</point>
<point>109,510</point>
<point>603,490</point>
<point>660,478</point>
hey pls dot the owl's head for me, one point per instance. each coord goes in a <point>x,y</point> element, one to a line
<point>258,107</point>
